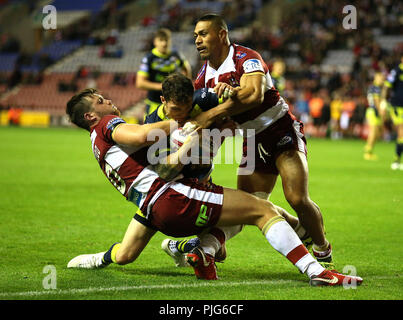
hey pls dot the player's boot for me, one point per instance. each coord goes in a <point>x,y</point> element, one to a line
<point>396,166</point>
<point>370,156</point>
<point>203,264</point>
<point>177,249</point>
<point>333,278</point>
<point>88,261</point>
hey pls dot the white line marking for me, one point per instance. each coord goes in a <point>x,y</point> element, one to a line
<point>150,287</point>
<point>162,286</point>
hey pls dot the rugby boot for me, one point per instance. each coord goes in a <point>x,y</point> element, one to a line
<point>177,249</point>
<point>333,278</point>
<point>88,261</point>
<point>203,264</point>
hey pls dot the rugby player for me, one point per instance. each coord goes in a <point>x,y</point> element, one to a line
<point>374,115</point>
<point>393,90</point>
<point>179,207</point>
<point>156,65</point>
<point>212,242</point>
<point>279,136</point>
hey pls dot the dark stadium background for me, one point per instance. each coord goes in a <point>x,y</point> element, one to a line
<point>100,43</point>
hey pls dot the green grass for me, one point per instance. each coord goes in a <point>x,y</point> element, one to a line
<point>56,204</point>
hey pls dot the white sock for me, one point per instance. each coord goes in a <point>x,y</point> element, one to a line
<point>284,240</point>
<point>209,244</point>
<point>231,232</point>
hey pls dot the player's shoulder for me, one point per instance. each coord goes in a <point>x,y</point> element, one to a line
<point>148,57</point>
<point>110,121</point>
<point>107,125</point>
<point>242,52</point>
<point>156,116</point>
<point>175,53</point>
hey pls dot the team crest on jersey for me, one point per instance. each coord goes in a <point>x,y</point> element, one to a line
<point>252,65</point>
<point>240,54</point>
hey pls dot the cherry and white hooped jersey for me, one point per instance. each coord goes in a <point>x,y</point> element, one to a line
<point>242,60</point>
<point>126,168</point>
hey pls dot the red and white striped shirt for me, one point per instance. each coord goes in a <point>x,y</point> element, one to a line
<point>127,168</point>
<point>242,60</point>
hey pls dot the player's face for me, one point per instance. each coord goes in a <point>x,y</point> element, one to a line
<point>103,107</point>
<point>163,45</point>
<point>206,39</point>
<point>178,111</point>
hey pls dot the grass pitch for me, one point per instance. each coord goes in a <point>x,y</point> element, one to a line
<point>56,204</point>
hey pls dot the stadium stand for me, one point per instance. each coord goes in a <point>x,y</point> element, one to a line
<point>108,38</point>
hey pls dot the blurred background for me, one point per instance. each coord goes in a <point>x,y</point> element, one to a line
<point>320,68</point>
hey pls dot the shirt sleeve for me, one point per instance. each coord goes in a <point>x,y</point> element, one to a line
<point>250,61</point>
<point>205,99</point>
<point>144,68</point>
<point>108,125</point>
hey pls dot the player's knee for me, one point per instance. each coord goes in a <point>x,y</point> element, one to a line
<point>264,212</point>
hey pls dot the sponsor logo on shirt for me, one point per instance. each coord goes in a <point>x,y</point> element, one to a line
<point>240,54</point>
<point>284,140</point>
<point>252,65</point>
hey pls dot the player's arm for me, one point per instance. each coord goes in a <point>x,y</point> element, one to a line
<point>142,82</point>
<point>248,95</point>
<point>171,166</point>
<point>142,135</point>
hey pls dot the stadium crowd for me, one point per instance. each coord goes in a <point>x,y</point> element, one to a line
<point>332,102</point>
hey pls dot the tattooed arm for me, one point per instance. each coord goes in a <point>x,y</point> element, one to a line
<point>171,166</point>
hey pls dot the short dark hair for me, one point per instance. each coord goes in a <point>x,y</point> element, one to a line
<point>177,88</point>
<point>163,33</point>
<point>78,105</point>
<point>217,20</point>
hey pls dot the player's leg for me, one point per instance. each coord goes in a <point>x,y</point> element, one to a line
<point>293,168</point>
<point>243,208</point>
<point>213,240</point>
<point>397,118</point>
<point>373,132</point>
<point>135,240</point>
<point>261,185</point>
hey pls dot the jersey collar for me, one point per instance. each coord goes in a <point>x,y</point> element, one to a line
<point>227,66</point>
<point>159,54</point>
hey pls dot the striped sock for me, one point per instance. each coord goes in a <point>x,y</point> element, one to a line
<point>110,255</point>
<point>184,246</point>
<point>284,240</point>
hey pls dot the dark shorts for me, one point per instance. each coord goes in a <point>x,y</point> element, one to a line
<point>186,208</point>
<point>287,133</point>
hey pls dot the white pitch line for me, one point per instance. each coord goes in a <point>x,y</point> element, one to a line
<point>150,287</point>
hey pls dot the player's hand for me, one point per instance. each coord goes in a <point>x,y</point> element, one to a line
<point>223,90</point>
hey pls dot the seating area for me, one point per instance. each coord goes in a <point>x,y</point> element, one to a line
<point>47,97</point>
